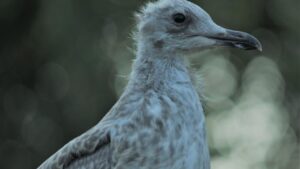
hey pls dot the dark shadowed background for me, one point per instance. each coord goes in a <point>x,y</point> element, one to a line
<point>63,64</point>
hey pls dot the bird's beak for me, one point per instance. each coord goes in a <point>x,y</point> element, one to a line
<point>236,39</point>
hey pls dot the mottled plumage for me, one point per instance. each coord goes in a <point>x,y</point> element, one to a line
<point>158,123</point>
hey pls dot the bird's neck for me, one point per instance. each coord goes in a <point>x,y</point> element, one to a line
<point>156,69</point>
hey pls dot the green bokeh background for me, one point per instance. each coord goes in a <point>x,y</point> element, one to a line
<point>63,64</point>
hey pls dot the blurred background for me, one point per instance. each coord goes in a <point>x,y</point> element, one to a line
<point>63,64</point>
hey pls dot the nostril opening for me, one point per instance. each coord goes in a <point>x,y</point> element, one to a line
<point>221,34</point>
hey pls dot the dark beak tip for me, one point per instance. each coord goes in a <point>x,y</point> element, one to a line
<point>248,45</point>
<point>256,43</point>
<point>250,42</point>
<point>259,47</point>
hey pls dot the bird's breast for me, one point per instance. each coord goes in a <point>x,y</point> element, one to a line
<point>165,131</point>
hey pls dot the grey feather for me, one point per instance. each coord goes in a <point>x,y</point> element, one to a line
<point>158,123</point>
<point>100,159</point>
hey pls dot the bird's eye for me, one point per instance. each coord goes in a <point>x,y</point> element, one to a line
<point>179,18</point>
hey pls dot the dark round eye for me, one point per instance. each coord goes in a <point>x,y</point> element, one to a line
<point>179,18</point>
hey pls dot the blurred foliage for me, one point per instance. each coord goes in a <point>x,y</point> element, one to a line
<point>63,64</point>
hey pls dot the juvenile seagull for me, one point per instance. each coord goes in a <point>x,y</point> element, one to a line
<point>158,123</point>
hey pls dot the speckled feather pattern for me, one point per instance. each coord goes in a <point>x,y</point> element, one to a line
<point>155,124</point>
<point>158,122</point>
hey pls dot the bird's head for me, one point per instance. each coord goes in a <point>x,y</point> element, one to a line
<point>182,26</point>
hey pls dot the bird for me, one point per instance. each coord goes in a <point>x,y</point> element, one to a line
<point>158,121</point>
